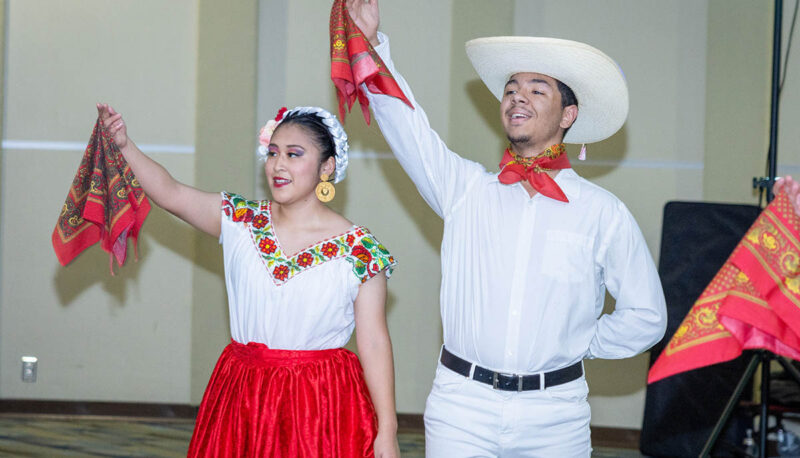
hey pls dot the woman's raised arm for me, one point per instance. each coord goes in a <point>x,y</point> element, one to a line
<point>199,208</point>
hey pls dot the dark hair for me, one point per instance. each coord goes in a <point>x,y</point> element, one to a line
<point>567,96</point>
<point>318,132</point>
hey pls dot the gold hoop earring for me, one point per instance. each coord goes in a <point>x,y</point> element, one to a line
<point>325,190</point>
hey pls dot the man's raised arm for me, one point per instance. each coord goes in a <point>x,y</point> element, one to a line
<point>441,176</point>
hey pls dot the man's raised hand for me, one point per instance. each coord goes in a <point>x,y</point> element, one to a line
<point>367,17</point>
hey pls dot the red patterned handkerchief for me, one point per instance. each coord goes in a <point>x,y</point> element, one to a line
<point>105,203</point>
<point>354,61</point>
<point>753,302</point>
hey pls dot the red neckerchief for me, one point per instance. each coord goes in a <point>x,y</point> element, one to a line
<point>105,203</point>
<point>514,168</point>
<point>354,61</point>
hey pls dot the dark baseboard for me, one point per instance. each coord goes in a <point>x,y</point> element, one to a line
<point>406,422</point>
<point>96,408</point>
<point>616,437</point>
<point>410,423</point>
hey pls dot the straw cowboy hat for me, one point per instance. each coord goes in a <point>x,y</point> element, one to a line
<point>597,81</point>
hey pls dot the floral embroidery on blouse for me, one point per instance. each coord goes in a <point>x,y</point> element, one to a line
<point>365,253</point>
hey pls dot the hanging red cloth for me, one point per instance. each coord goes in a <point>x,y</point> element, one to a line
<point>285,403</point>
<point>105,203</point>
<point>752,303</point>
<point>354,61</point>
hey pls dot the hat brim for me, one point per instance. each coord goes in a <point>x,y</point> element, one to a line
<point>597,81</point>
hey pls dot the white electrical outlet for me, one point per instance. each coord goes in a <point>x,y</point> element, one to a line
<point>29,364</point>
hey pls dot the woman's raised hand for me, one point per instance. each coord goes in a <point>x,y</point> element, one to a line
<point>113,123</point>
<point>792,189</point>
<point>367,17</point>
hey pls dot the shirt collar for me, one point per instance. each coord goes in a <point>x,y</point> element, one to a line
<point>567,180</point>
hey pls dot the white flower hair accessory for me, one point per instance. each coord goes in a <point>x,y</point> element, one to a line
<point>335,128</point>
<point>265,134</point>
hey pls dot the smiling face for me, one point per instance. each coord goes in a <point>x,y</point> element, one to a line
<point>293,165</point>
<point>531,113</point>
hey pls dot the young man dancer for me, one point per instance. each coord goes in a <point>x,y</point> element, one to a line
<point>527,254</point>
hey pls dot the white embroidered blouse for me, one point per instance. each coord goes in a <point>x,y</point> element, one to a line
<point>293,302</point>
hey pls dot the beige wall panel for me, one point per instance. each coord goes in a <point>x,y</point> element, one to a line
<point>617,391</point>
<point>122,338</point>
<point>738,99</point>
<point>476,132</point>
<point>2,82</point>
<point>136,54</point>
<point>788,135</point>
<point>97,336</point>
<point>226,140</point>
<point>271,77</point>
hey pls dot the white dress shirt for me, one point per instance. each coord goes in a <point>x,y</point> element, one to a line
<point>524,278</point>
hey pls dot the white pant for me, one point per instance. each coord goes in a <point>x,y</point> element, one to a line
<point>466,418</point>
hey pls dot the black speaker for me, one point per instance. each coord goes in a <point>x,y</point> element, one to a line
<point>681,410</point>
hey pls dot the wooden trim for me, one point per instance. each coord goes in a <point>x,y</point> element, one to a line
<point>616,437</point>
<point>95,408</point>
<point>410,423</point>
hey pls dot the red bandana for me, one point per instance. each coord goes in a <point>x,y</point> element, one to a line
<point>354,61</point>
<point>753,301</point>
<point>105,203</point>
<point>514,168</point>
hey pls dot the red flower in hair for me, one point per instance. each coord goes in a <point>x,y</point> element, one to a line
<point>281,272</point>
<point>265,134</point>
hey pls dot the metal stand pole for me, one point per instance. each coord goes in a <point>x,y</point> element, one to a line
<point>734,399</point>
<point>766,357</point>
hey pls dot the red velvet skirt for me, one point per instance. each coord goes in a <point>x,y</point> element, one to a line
<point>282,403</point>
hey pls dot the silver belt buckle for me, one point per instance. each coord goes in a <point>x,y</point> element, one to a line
<point>495,380</point>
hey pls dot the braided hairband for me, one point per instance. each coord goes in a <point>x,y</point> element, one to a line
<point>334,128</point>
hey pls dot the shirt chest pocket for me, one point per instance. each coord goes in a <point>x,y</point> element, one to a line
<point>567,257</point>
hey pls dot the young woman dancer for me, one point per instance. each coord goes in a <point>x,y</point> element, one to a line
<point>299,278</point>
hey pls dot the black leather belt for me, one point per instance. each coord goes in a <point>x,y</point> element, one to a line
<point>511,382</point>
